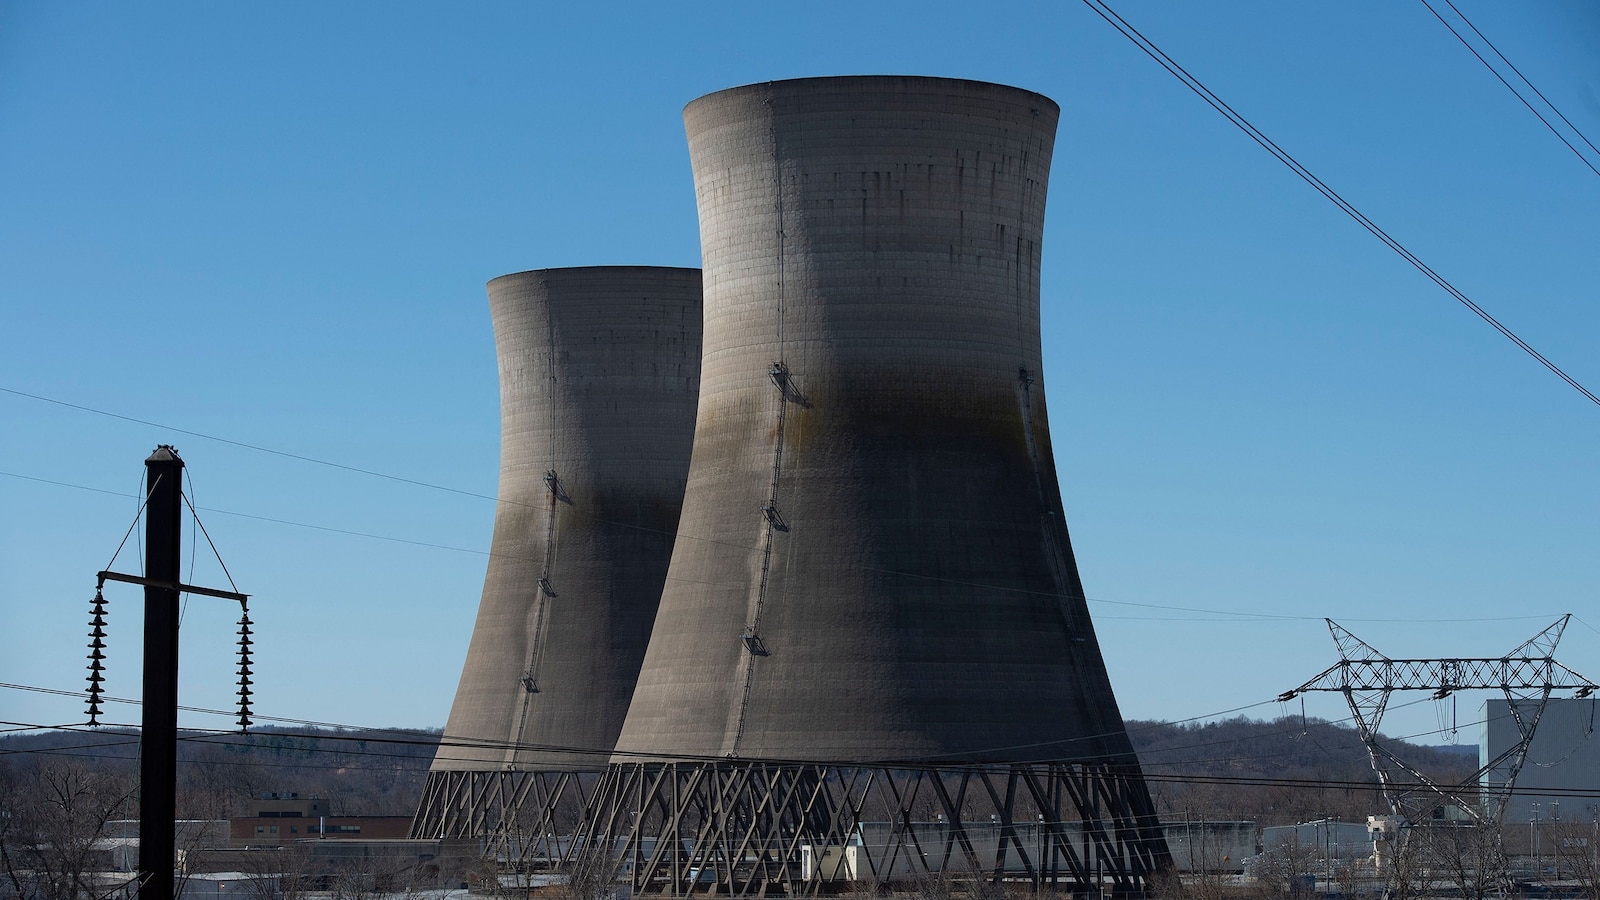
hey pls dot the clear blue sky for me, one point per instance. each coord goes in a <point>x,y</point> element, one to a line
<point>273,224</point>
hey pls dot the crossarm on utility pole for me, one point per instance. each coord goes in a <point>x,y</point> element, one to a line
<point>171,586</point>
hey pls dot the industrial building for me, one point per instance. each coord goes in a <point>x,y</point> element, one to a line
<point>1331,842</point>
<point>1560,780</point>
<point>1211,847</point>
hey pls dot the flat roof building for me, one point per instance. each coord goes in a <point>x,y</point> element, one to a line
<point>275,820</point>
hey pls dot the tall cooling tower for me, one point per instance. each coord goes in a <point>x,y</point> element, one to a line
<point>874,562</point>
<point>599,373</point>
<point>873,566</point>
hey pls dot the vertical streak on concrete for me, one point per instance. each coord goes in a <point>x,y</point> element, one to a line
<point>771,512</point>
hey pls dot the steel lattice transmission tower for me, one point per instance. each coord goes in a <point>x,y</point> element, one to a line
<point>1526,676</point>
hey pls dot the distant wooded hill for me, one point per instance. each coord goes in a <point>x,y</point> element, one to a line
<point>363,772</point>
<point>1274,772</point>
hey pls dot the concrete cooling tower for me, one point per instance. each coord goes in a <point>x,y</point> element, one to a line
<point>873,567</point>
<point>599,373</point>
<point>875,564</point>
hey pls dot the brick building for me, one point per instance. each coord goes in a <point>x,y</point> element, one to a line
<point>276,820</point>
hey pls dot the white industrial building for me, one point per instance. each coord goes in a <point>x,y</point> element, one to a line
<point>1338,842</point>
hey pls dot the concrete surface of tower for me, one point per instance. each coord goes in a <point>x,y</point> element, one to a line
<point>873,563</point>
<point>599,373</point>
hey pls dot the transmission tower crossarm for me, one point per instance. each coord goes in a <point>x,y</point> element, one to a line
<point>1445,675</point>
<point>1531,665</point>
<point>1326,680</point>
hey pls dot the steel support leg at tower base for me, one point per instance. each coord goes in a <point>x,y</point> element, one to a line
<point>752,829</point>
<point>524,820</point>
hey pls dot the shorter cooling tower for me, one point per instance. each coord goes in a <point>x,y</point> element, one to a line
<point>599,376</point>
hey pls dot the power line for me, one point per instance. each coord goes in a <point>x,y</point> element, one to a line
<point>249,446</point>
<point>1162,777</point>
<point>409,735</point>
<point>1512,88</point>
<point>446,740</point>
<point>1233,616</point>
<point>37,689</point>
<point>364,471</point>
<point>1194,84</point>
<point>412,737</point>
<point>243,515</point>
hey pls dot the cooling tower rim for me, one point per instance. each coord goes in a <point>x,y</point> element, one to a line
<point>583,271</point>
<point>925,81</point>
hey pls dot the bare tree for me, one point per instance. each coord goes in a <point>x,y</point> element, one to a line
<point>53,822</point>
<point>1288,869</point>
<point>352,879</point>
<point>277,873</point>
<point>483,879</point>
<point>1471,857</point>
<point>1402,865</point>
<point>202,814</point>
<point>591,874</point>
<point>1577,852</point>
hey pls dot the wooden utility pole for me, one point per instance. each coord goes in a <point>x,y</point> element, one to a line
<point>158,733</point>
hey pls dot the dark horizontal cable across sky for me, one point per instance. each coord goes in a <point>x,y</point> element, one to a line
<point>411,737</point>
<point>1194,84</point>
<point>1232,615</point>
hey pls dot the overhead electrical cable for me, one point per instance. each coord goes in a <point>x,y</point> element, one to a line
<point>204,710</point>
<point>248,446</point>
<point>366,734</point>
<point>454,740</point>
<point>1231,615</point>
<point>243,515</point>
<point>359,470</point>
<point>219,739</point>
<point>1511,87</point>
<point>414,737</point>
<point>1194,84</point>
